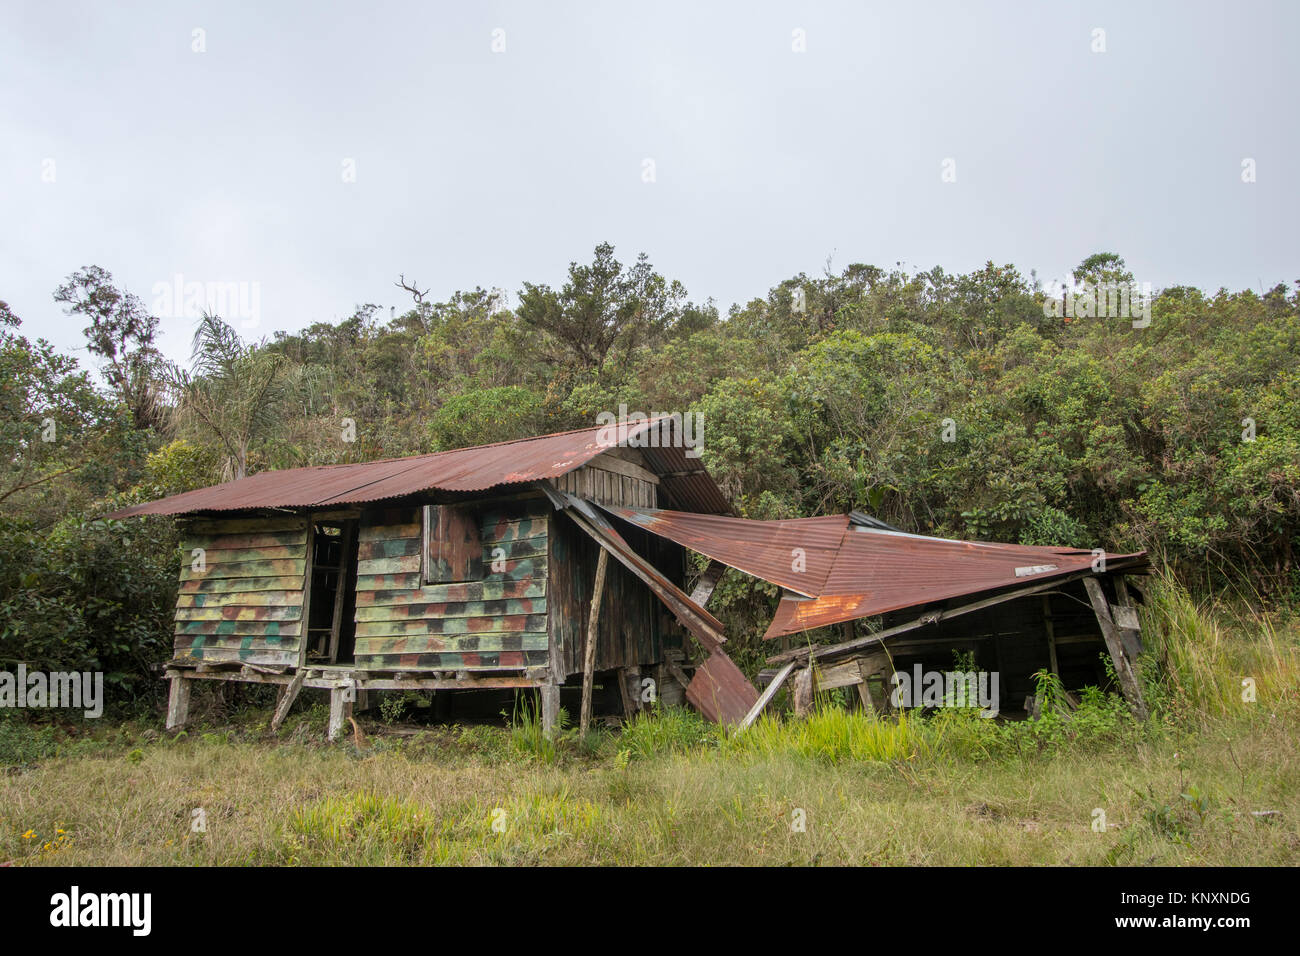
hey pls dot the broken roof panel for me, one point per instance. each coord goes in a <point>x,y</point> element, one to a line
<point>797,553</point>
<point>479,468</point>
<point>878,571</point>
<point>856,570</point>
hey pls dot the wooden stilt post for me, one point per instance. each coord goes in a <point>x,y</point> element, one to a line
<point>864,689</point>
<point>550,694</point>
<point>340,711</point>
<point>589,651</point>
<point>803,691</point>
<point>178,701</point>
<point>1128,682</point>
<point>1051,635</point>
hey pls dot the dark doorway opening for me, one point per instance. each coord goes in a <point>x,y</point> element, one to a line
<point>331,624</point>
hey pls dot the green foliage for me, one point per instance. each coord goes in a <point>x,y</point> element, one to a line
<point>23,743</point>
<point>666,730</point>
<point>489,415</point>
<point>527,735</point>
<point>89,596</point>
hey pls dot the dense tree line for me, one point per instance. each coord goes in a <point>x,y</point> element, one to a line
<point>959,405</point>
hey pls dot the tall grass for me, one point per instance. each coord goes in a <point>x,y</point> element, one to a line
<point>835,735</point>
<point>358,829</point>
<point>1201,658</point>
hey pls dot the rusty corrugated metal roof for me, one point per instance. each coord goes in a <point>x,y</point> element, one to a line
<point>797,553</point>
<point>878,571</point>
<point>479,468</point>
<point>857,571</point>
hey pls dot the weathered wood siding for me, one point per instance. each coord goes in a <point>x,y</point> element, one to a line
<point>496,622</point>
<point>617,477</point>
<point>634,627</point>
<point>246,605</point>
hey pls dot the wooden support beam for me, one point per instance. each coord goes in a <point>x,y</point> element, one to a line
<point>704,626</point>
<point>589,651</point>
<point>629,703</point>
<point>287,696</point>
<point>340,711</point>
<point>178,701</point>
<point>864,689</point>
<point>803,692</point>
<point>766,697</point>
<point>678,674</point>
<point>1051,636</point>
<point>1126,618</point>
<point>1128,681</point>
<point>550,694</point>
<point>708,581</point>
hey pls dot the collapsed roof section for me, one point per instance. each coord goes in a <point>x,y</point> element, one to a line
<point>842,567</point>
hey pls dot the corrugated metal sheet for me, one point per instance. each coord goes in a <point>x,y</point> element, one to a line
<point>463,470</point>
<point>720,691</point>
<point>877,571</point>
<point>797,554</point>
<point>860,571</point>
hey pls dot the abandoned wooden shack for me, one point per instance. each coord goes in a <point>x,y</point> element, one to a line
<point>465,570</point>
<point>488,568</point>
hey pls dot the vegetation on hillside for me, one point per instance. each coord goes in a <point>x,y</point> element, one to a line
<point>957,405</point>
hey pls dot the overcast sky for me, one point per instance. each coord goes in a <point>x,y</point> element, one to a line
<point>471,166</point>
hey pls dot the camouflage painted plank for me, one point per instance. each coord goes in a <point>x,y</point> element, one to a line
<point>494,590</point>
<point>387,582</point>
<point>225,542</point>
<point>514,567</point>
<point>226,585</point>
<point>388,532</point>
<point>236,613</point>
<point>400,565</point>
<point>445,609</point>
<point>240,555</point>
<point>234,642</point>
<point>203,526</point>
<point>241,599</point>
<point>454,625</point>
<point>394,548</point>
<point>494,527</point>
<point>514,529</point>
<point>467,662</point>
<point>534,547</point>
<point>248,655</point>
<point>254,628</point>
<point>429,643</point>
<point>247,569</point>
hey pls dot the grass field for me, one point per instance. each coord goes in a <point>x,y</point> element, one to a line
<point>1191,787</point>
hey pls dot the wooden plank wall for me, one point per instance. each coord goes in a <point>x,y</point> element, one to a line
<point>247,604</point>
<point>634,627</point>
<point>607,487</point>
<point>492,623</point>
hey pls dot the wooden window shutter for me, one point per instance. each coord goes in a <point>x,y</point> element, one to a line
<point>452,548</point>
